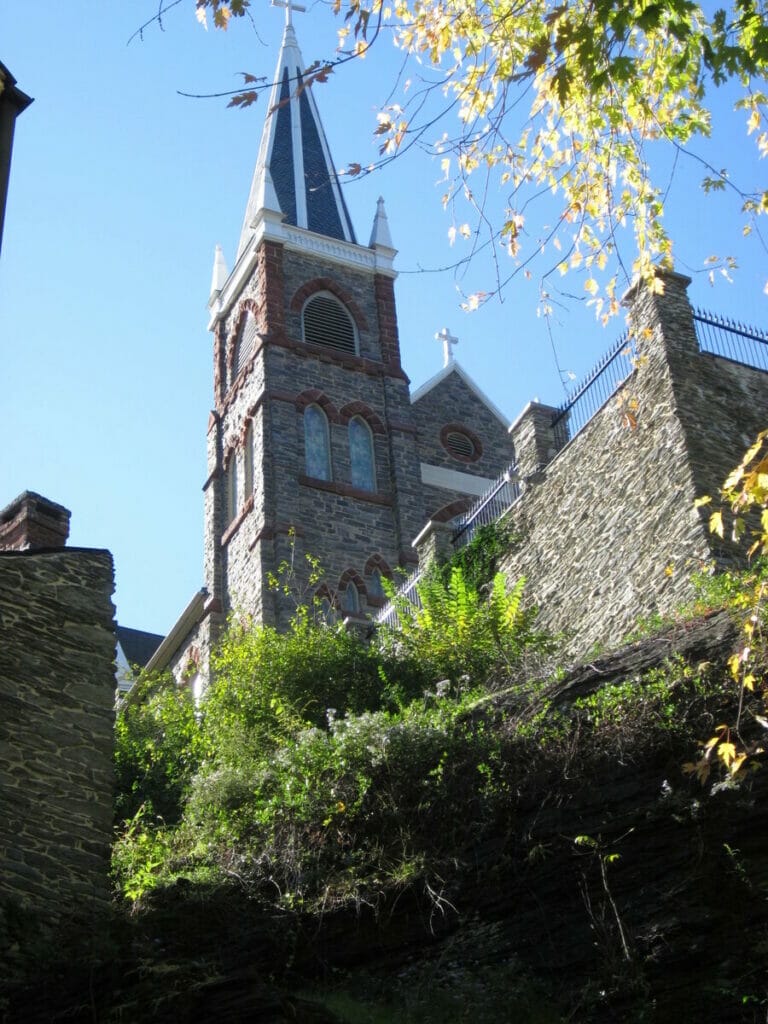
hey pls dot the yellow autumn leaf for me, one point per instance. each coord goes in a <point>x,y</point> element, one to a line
<point>716,523</point>
<point>591,286</point>
<point>726,752</point>
<point>737,762</point>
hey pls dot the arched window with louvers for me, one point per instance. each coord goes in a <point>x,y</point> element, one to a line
<point>326,321</point>
<point>245,343</point>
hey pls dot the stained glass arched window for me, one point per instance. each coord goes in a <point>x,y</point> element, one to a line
<point>317,449</point>
<point>361,455</point>
<point>248,467</point>
<point>375,588</point>
<point>230,483</point>
<point>351,599</point>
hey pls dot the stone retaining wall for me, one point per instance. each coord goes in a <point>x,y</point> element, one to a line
<point>608,527</point>
<point>57,691</point>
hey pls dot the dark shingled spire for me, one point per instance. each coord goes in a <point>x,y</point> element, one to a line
<point>294,172</point>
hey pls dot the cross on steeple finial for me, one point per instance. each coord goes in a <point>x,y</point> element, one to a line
<point>448,341</point>
<point>289,6</point>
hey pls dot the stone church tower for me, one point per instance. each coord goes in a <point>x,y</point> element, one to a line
<point>312,436</point>
<point>315,444</point>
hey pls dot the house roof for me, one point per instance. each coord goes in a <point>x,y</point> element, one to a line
<point>447,370</point>
<point>138,646</point>
<point>294,172</point>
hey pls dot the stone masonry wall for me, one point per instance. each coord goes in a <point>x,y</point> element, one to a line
<point>452,404</point>
<point>57,689</point>
<point>608,530</point>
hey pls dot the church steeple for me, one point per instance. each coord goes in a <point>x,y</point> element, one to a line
<point>294,173</point>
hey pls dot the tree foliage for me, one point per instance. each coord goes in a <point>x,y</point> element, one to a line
<point>566,97</point>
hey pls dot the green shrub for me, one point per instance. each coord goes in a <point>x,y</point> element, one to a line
<point>158,748</point>
<point>271,681</point>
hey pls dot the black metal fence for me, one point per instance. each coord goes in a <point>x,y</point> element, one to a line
<point>503,493</point>
<point>730,339</point>
<point>592,394</point>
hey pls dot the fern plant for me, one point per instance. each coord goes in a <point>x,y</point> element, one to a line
<point>454,631</point>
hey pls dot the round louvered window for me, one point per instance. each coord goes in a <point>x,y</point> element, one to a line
<point>326,322</point>
<point>461,443</point>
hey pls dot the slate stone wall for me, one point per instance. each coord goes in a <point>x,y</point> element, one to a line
<point>608,527</point>
<point>57,691</point>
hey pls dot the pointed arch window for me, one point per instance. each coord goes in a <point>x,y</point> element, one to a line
<point>317,448</point>
<point>230,484</point>
<point>375,586</point>
<point>361,455</point>
<point>248,467</point>
<point>351,599</point>
<point>325,321</point>
<point>326,611</point>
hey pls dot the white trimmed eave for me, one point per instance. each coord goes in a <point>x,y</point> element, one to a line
<point>455,480</point>
<point>270,226</point>
<point>454,367</point>
<point>189,618</point>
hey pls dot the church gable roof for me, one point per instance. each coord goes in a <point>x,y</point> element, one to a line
<point>451,368</point>
<point>294,171</point>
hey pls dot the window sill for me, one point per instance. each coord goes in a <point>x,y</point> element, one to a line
<point>234,526</point>
<point>345,490</point>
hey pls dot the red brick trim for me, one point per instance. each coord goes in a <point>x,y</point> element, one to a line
<point>386,310</point>
<point>353,576</point>
<point>460,428</point>
<point>325,591</point>
<point>314,396</point>
<point>327,284</point>
<point>345,490</point>
<point>365,412</point>
<point>448,512</point>
<point>377,562</point>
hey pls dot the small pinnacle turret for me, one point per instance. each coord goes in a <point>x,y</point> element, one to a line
<point>220,273</point>
<point>380,235</point>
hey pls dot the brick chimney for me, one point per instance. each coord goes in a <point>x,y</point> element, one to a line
<point>32,521</point>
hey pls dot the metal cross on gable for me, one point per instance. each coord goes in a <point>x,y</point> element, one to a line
<point>289,6</point>
<point>448,340</point>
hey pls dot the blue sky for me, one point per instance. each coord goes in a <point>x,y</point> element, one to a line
<point>119,192</point>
